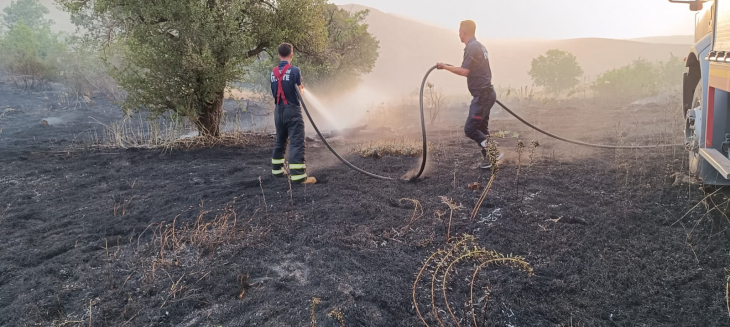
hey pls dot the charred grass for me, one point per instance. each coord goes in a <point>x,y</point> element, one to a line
<point>560,237</point>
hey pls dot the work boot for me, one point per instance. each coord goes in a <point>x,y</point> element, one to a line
<point>490,148</point>
<point>310,181</point>
<point>486,163</point>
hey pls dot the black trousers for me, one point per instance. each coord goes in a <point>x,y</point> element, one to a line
<point>477,124</point>
<point>289,127</point>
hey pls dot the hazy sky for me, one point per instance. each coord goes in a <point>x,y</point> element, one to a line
<point>549,19</point>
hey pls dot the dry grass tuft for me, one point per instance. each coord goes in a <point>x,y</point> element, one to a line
<point>167,135</point>
<point>462,254</point>
<point>727,290</point>
<point>391,147</point>
<point>572,324</point>
<point>337,315</point>
<point>178,253</point>
<point>3,212</point>
<point>417,211</point>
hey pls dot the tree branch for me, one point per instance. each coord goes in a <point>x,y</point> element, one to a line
<point>259,49</point>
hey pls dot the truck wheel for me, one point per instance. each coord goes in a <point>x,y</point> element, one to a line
<point>692,139</point>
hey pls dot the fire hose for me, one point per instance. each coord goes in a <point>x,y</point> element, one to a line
<point>425,142</point>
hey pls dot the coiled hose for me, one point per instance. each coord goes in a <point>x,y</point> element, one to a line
<point>425,142</point>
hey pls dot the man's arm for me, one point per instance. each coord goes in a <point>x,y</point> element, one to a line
<point>456,70</point>
<point>299,83</point>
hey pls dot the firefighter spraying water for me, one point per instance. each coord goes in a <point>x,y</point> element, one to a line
<point>286,83</point>
<point>475,68</point>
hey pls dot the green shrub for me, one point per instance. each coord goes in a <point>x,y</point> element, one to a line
<point>30,57</point>
<point>641,78</point>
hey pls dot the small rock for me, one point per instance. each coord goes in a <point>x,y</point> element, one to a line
<point>683,179</point>
<point>476,186</point>
<point>88,101</point>
<point>44,122</point>
<point>574,221</point>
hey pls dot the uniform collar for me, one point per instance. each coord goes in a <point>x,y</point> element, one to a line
<point>472,40</point>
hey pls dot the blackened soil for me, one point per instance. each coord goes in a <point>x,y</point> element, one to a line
<point>598,229</point>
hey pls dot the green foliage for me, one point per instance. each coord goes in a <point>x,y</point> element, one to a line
<point>351,52</point>
<point>29,52</point>
<point>179,56</point>
<point>556,71</point>
<point>28,12</point>
<point>84,70</point>
<point>640,79</point>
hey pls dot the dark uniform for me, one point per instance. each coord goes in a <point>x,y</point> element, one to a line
<point>288,121</point>
<point>476,60</point>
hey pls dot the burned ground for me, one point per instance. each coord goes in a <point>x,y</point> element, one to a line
<point>603,230</point>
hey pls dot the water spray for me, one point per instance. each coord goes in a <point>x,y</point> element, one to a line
<point>425,142</point>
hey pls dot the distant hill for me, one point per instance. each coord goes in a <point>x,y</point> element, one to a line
<point>687,40</point>
<point>408,48</point>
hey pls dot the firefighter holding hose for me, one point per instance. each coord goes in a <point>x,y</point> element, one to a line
<point>288,120</point>
<point>475,68</point>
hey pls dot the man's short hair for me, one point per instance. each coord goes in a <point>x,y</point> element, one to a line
<point>285,50</point>
<point>469,26</point>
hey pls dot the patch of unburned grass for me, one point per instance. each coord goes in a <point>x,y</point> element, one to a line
<point>402,147</point>
<point>506,134</point>
<point>167,134</point>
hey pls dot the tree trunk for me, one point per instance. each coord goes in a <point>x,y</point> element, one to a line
<point>209,120</point>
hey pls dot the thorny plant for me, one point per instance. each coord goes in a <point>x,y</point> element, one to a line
<point>533,147</point>
<point>337,315</point>
<point>464,252</point>
<point>520,150</point>
<point>492,154</point>
<point>417,212</point>
<point>453,206</point>
<point>315,302</point>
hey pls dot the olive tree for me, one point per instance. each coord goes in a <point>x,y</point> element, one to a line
<point>180,55</point>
